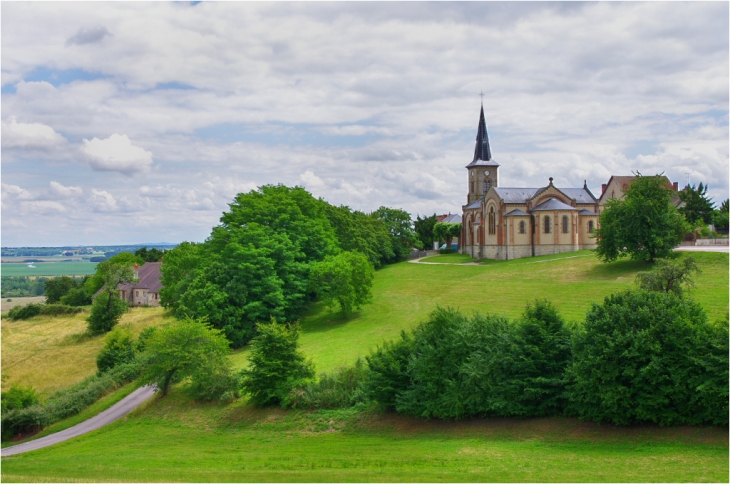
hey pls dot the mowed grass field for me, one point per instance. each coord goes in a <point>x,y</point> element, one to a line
<point>57,268</point>
<point>52,353</point>
<point>174,439</point>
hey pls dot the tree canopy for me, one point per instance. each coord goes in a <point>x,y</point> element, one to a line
<point>345,279</point>
<point>698,207</point>
<point>447,231</point>
<point>400,226</point>
<point>424,230</point>
<point>107,307</point>
<point>644,225</point>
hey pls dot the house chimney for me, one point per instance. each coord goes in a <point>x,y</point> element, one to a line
<point>136,271</point>
<point>675,186</point>
<point>603,188</point>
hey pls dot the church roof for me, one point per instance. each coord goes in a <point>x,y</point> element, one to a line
<point>475,204</point>
<point>453,218</point>
<point>482,152</point>
<point>517,213</point>
<point>552,204</point>
<point>586,212</point>
<point>580,195</point>
<point>515,195</point>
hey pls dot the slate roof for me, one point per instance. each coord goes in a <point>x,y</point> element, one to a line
<point>482,151</point>
<point>586,212</point>
<point>580,195</point>
<point>517,213</point>
<point>475,204</point>
<point>552,204</point>
<point>149,278</point>
<point>452,218</point>
<point>515,195</point>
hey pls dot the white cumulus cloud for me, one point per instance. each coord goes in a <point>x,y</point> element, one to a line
<point>102,201</point>
<point>29,135</point>
<point>62,191</point>
<point>116,153</point>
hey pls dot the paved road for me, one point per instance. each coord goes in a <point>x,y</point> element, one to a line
<point>116,411</point>
<point>704,248</point>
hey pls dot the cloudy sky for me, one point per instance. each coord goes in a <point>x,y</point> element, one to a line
<point>139,122</point>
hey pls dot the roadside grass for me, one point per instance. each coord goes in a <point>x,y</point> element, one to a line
<point>52,353</point>
<point>449,258</point>
<point>405,293</point>
<point>102,404</point>
<point>8,303</point>
<point>173,439</point>
<point>55,268</point>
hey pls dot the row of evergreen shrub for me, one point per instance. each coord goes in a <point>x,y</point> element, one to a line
<point>31,310</point>
<point>638,357</point>
<point>68,402</point>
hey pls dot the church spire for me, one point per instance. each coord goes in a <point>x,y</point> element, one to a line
<point>482,151</point>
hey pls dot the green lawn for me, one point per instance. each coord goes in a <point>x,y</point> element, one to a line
<point>176,440</point>
<point>58,268</point>
<point>449,258</point>
<point>405,293</point>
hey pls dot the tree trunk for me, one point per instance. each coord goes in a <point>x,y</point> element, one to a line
<point>166,382</point>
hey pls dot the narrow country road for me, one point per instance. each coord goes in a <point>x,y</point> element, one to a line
<point>116,411</point>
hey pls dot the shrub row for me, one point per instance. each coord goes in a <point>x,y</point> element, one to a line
<point>68,402</point>
<point>32,310</point>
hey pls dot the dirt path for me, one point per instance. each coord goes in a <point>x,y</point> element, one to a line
<point>116,411</point>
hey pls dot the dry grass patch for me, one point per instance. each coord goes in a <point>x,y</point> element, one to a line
<point>9,303</point>
<point>52,353</point>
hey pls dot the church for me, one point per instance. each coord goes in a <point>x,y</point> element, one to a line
<point>511,223</point>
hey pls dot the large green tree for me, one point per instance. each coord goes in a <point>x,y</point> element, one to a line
<point>58,287</point>
<point>447,232</point>
<point>345,279</point>
<point>358,231</point>
<point>424,230</point>
<point>720,216</point>
<point>697,207</point>
<point>178,271</point>
<point>400,226</point>
<point>186,349</point>
<point>644,225</point>
<point>107,307</point>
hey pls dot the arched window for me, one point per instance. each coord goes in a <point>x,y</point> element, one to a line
<point>590,226</point>
<point>522,226</point>
<point>565,224</point>
<point>492,221</point>
<point>547,224</point>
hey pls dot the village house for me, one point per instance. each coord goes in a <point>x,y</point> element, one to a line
<point>146,292</point>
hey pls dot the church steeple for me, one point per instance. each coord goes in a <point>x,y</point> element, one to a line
<point>482,151</point>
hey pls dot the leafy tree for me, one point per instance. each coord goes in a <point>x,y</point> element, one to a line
<point>424,230</point>
<point>358,231</point>
<point>644,225</point>
<point>108,307</point>
<point>178,271</point>
<point>345,278</point>
<point>18,397</point>
<point>638,358</point>
<point>58,287</point>
<point>149,255</point>
<point>698,207</point>
<point>720,216</point>
<point>276,365</point>
<point>669,276</point>
<point>400,226</point>
<point>388,377</point>
<point>77,297</point>
<point>182,349</point>
<point>118,349</point>
<point>447,231</point>
<point>95,282</point>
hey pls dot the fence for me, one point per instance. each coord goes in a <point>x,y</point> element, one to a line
<point>711,242</point>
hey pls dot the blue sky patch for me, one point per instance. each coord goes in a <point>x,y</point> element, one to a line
<point>8,89</point>
<point>56,77</point>
<point>276,134</point>
<point>173,85</point>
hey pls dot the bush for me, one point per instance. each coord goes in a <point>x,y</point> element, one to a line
<point>76,297</point>
<point>447,250</point>
<point>25,312</point>
<point>669,276</point>
<point>58,309</point>
<point>388,371</point>
<point>649,357</point>
<point>340,388</point>
<point>19,396</point>
<point>276,365</point>
<point>118,348</point>
<point>105,312</point>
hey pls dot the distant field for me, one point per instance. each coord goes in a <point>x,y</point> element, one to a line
<point>74,268</point>
<point>20,301</point>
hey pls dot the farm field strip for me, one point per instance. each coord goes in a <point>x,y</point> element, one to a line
<point>58,268</point>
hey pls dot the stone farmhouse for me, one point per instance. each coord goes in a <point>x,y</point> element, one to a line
<point>510,223</point>
<point>147,291</point>
<point>617,186</point>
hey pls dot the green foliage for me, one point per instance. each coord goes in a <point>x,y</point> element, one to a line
<point>187,349</point>
<point>67,402</point>
<point>103,269</point>
<point>107,307</point>
<point>447,231</point>
<point>424,230</point>
<point>446,250</point>
<point>18,397</point>
<point>58,287</point>
<point>357,231</point>
<point>340,388</point>
<point>178,272</point>
<point>642,356</point>
<point>669,275</point>
<point>345,279</point>
<point>720,216</point>
<point>58,309</point>
<point>77,297</point>
<point>23,286</point>
<point>698,207</point>
<point>276,365</point>
<point>400,226</point>
<point>644,225</point>
<point>118,349</point>
<point>388,376</point>
<point>25,312</point>
<point>152,255</point>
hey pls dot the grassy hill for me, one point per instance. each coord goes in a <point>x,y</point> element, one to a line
<point>174,439</point>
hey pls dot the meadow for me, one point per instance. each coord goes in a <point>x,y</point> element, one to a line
<point>55,268</point>
<point>174,439</point>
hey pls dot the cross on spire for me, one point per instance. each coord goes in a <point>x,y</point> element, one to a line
<point>481,95</point>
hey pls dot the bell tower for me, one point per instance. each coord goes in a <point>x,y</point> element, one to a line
<point>482,171</point>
